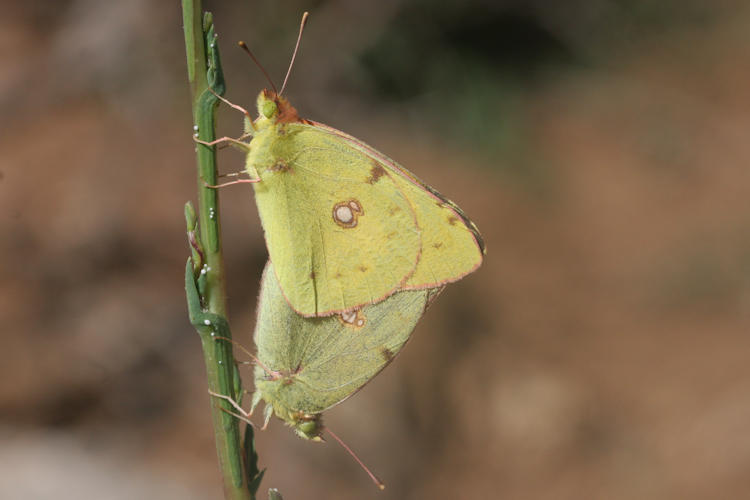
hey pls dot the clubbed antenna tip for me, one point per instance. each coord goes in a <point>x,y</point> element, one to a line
<point>244,47</point>
<point>374,478</point>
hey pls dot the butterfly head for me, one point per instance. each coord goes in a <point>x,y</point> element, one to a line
<point>276,109</point>
<point>309,427</point>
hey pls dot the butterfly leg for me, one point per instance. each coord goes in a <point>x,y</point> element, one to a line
<point>239,417</point>
<point>231,104</point>
<point>267,412</point>
<point>231,402</point>
<point>237,143</point>
<point>254,177</point>
<point>233,174</point>
<point>272,373</point>
<point>238,181</point>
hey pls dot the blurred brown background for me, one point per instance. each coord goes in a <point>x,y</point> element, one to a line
<point>601,147</point>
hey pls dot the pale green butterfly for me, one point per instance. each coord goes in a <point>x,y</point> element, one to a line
<point>345,225</point>
<point>305,366</point>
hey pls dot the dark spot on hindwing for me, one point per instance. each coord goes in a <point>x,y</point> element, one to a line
<point>386,353</point>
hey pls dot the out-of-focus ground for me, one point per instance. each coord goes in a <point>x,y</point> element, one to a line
<point>602,350</point>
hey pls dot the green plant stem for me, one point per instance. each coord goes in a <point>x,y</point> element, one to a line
<point>207,298</point>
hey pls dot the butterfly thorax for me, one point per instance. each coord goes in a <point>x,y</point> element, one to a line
<point>272,145</point>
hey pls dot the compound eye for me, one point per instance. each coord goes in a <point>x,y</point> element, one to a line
<point>269,108</point>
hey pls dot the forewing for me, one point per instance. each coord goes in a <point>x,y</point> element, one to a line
<point>340,233</point>
<point>450,241</point>
<point>451,244</point>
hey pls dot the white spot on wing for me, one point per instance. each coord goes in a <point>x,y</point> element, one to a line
<point>344,214</point>
<point>353,318</point>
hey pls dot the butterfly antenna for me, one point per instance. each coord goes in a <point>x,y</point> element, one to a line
<point>296,48</point>
<point>375,480</point>
<point>244,47</point>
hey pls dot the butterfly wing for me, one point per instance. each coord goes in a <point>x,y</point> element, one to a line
<point>451,244</point>
<point>325,360</point>
<point>339,235</point>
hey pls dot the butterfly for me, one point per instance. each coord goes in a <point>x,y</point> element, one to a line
<point>304,366</point>
<point>344,224</point>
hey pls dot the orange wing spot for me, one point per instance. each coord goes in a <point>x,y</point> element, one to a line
<point>338,275</point>
<point>312,275</point>
<point>376,172</point>
<point>452,220</point>
<point>437,245</point>
<point>346,213</point>
<point>362,269</point>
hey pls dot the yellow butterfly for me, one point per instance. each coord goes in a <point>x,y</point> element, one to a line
<point>345,225</point>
